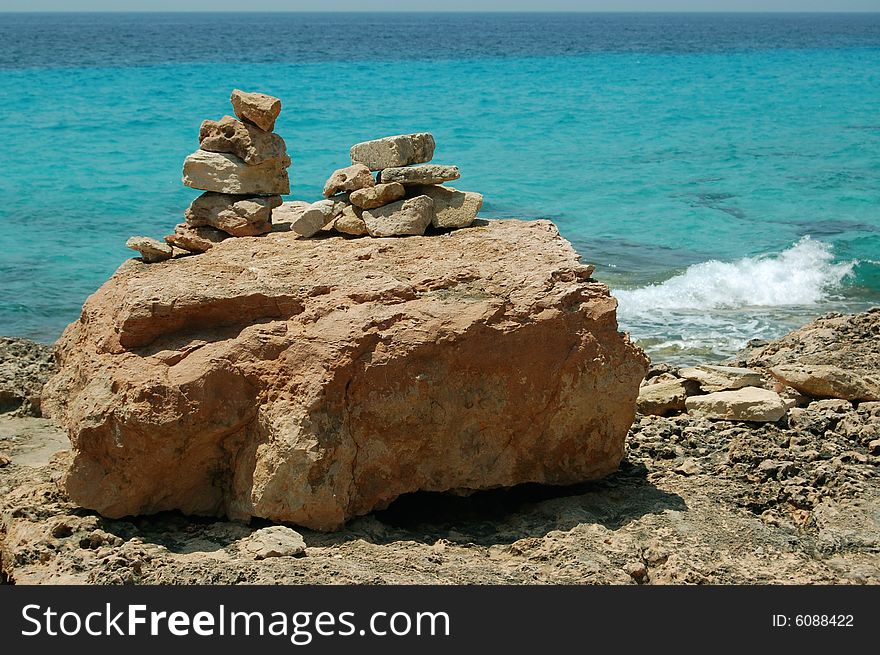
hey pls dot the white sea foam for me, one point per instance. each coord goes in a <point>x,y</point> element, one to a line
<point>712,309</point>
<point>804,274</point>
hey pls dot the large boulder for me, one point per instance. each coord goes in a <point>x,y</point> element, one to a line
<point>313,380</point>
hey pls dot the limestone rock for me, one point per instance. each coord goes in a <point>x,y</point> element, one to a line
<point>399,218</point>
<point>391,151</point>
<point>376,196</point>
<point>826,381</point>
<point>151,250</point>
<point>313,380</point>
<point>240,216</point>
<point>664,398</point>
<point>222,172</point>
<point>352,178</point>
<point>746,404</point>
<point>195,239</point>
<point>452,208</point>
<point>256,108</point>
<point>287,213</point>
<point>315,217</point>
<point>351,222</point>
<point>427,174</point>
<point>275,541</point>
<point>722,378</point>
<point>247,142</point>
<point>24,368</point>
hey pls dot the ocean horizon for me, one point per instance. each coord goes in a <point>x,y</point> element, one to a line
<point>721,170</point>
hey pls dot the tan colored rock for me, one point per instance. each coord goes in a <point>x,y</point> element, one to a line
<point>352,178</point>
<point>722,378</point>
<point>222,172</point>
<point>239,216</point>
<point>151,250</point>
<point>426,174</point>
<point>195,239</point>
<point>404,217</point>
<point>312,380</point>
<point>377,196</point>
<point>275,541</point>
<point>256,108</point>
<point>315,217</point>
<point>664,398</point>
<point>391,151</point>
<point>247,142</point>
<point>452,208</point>
<point>351,222</point>
<point>287,213</point>
<point>746,404</point>
<point>826,381</point>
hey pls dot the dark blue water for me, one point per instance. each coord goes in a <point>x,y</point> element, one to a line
<point>723,171</point>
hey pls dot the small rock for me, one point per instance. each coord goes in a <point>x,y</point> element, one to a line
<point>151,250</point>
<point>452,208</point>
<point>426,174</point>
<point>832,405</point>
<point>664,398</point>
<point>351,221</point>
<point>244,140</point>
<point>391,151</point>
<point>827,381</point>
<point>874,447</point>
<point>689,466</point>
<point>377,196</point>
<point>222,172</point>
<point>239,216</point>
<point>722,378</point>
<point>195,239</point>
<point>746,404</point>
<point>257,108</point>
<point>4,461</point>
<point>314,218</point>
<point>275,541</point>
<point>287,213</point>
<point>636,570</point>
<point>404,217</point>
<point>352,178</point>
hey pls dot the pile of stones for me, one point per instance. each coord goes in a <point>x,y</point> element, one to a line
<point>390,189</point>
<point>241,164</point>
<point>404,198</point>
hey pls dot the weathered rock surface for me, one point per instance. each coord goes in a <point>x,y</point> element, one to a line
<point>151,250</point>
<point>452,208</point>
<point>404,217</point>
<point>314,217</point>
<point>826,381</point>
<point>313,380</point>
<point>426,174</point>
<point>391,151</point>
<point>722,378</point>
<point>247,142</point>
<point>258,108</point>
<point>376,196</point>
<point>24,368</point>
<point>222,172</point>
<point>239,216</point>
<point>746,404</point>
<point>287,213</point>
<point>664,398</point>
<point>275,541</point>
<point>195,239</point>
<point>351,178</point>
<point>351,221</point>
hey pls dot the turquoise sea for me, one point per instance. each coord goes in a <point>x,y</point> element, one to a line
<point>722,171</point>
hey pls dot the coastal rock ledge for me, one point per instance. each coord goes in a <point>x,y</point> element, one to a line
<point>313,380</point>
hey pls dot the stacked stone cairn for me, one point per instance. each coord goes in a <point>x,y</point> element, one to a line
<point>404,198</point>
<point>241,165</point>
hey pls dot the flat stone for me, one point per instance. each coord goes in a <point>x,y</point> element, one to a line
<point>287,213</point>
<point>351,222</point>
<point>722,378</point>
<point>222,172</point>
<point>239,216</point>
<point>352,178</point>
<point>315,217</point>
<point>378,195</point>
<point>746,404</point>
<point>427,174</point>
<point>404,217</point>
<point>244,140</point>
<point>257,108</point>
<point>391,151</point>
<point>195,239</point>
<point>151,250</point>
<point>452,208</point>
<point>275,541</point>
<point>827,381</point>
<point>664,398</point>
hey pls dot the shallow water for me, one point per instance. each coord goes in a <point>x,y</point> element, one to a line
<point>722,171</point>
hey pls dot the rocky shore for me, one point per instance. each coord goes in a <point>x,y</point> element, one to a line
<point>697,499</point>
